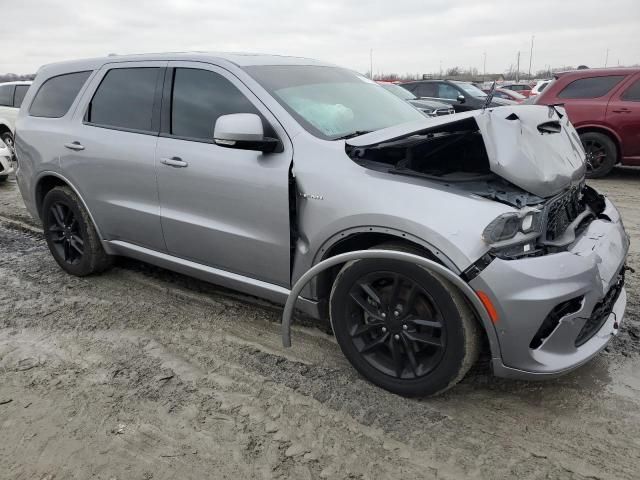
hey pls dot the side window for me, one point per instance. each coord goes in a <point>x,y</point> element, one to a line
<point>199,98</point>
<point>6,95</point>
<point>427,90</point>
<point>592,87</point>
<point>55,96</point>
<point>124,99</point>
<point>447,91</point>
<point>632,94</point>
<point>18,96</point>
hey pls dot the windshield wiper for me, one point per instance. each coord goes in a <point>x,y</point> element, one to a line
<point>357,133</point>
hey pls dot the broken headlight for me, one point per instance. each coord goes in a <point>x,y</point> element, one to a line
<point>516,227</point>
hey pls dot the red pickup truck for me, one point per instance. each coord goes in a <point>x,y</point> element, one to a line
<point>604,106</point>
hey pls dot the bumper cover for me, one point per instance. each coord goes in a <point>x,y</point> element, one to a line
<point>525,291</point>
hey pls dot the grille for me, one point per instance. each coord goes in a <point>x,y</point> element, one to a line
<point>600,312</point>
<point>444,111</point>
<point>563,210</point>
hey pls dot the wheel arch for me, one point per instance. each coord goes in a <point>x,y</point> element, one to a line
<point>49,180</point>
<point>4,127</point>
<point>363,238</point>
<point>604,131</point>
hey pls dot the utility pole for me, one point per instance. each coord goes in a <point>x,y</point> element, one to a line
<point>484,67</point>
<point>606,59</point>
<point>518,68</point>
<point>531,55</point>
<point>371,63</point>
<point>440,68</point>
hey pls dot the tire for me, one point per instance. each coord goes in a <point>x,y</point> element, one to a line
<point>369,342</point>
<point>70,234</point>
<point>7,138</point>
<point>601,152</point>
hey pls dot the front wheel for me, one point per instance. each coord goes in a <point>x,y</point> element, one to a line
<point>403,328</point>
<point>7,138</point>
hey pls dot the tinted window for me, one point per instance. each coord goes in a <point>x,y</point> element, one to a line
<point>199,98</point>
<point>590,87</point>
<point>124,99</point>
<point>427,90</point>
<point>447,91</point>
<point>21,91</point>
<point>632,93</point>
<point>6,95</point>
<point>57,94</point>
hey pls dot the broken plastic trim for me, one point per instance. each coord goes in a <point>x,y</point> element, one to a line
<point>430,265</point>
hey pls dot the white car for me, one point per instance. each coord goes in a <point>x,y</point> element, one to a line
<point>539,86</point>
<point>5,162</point>
<point>11,95</point>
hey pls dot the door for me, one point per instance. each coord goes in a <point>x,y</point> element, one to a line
<point>623,115</point>
<point>109,152</point>
<point>221,207</point>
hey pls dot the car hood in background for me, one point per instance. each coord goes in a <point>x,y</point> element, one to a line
<point>430,104</point>
<point>533,147</point>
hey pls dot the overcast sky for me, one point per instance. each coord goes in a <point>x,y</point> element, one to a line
<point>406,35</point>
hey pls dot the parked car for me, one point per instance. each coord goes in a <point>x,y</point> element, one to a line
<point>11,96</point>
<point>539,87</point>
<point>604,106</point>
<point>462,96</point>
<point>422,238</point>
<point>431,108</point>
<point>506,94</point>
<point>5,162</point>
<point>522,88</point>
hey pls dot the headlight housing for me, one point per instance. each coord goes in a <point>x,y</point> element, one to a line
<point>516,227</point>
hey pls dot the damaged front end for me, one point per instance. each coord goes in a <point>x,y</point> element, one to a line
<point>528,157</point>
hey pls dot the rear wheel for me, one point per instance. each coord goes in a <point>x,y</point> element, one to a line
<point>403,328</point>
<point>601,154</point>
<point>70,234</point>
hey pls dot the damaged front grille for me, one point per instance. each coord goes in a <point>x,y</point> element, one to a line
<point>601,312</point>
<point>563,210</point>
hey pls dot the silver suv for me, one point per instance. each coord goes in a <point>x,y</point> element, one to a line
<point>301,182</point>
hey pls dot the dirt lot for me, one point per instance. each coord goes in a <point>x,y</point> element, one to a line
<point>144,374</point>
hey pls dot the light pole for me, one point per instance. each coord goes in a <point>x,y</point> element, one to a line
<point>484,67</point>
<point>371,63</point>
<point>518,68</point>
<point>531,55</point>
<point>606,59</point>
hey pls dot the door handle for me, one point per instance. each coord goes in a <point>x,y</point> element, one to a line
<point>74,146</point>
<point>621,110</point>
<point>175,162</point>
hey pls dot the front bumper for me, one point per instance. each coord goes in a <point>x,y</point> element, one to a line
<point>526,291</point>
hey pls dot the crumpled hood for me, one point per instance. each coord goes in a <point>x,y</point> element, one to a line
<point>534,147</point>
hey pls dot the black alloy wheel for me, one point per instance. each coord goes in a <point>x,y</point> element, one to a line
<point>600,154</point>
<point>65,234</point>
<point>395,325</point>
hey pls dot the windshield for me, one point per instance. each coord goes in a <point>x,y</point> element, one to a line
<point>332,102</point>
<point>471,89</point>
<point>398,91</point>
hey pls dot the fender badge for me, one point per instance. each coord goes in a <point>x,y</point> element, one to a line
<point>311,196</point>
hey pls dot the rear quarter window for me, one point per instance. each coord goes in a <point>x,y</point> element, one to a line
<point>55,96</point>
<point>21,91</point>
<point>592,87</point>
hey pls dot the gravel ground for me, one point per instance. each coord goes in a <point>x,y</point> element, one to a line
<point>141,373</point>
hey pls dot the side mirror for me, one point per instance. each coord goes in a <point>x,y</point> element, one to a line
<point>243,131</point>
<point>461,98</point>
